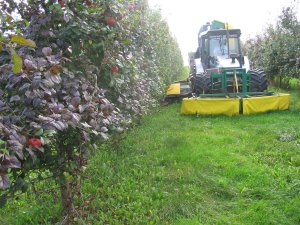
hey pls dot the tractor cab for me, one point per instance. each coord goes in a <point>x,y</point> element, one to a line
<point>221,49</point>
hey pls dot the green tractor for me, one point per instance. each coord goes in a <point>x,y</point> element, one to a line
<point>218,67</point>
<point>221,80</point>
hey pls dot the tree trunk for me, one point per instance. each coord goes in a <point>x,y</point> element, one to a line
<point>67,194</point>
<point>280,79</point>
<point>67,200</point>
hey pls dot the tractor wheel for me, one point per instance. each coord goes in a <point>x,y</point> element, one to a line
<point>202,84</point>
<point>258,81</point>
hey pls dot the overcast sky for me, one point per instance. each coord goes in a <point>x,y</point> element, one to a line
<point>186,17</point>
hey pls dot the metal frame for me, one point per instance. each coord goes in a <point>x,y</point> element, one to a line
<point>235,95</point>
<point>234,73</point>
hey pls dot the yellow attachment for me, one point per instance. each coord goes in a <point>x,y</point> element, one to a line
<point>266,103</point>
<point>210,106</point>
<point>228,26</point>
<point>174,89</point>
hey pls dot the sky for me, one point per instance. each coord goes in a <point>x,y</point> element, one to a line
<point>186,17</point>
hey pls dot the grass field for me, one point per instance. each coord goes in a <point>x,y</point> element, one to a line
<point>174,169</point>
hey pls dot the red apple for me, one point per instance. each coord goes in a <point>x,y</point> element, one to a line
<point>62,4</point>
<point>110,21</point>
<point>35,142</point>
<point>115,69</point>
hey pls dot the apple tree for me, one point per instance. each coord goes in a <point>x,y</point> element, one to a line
<point>71,74</point>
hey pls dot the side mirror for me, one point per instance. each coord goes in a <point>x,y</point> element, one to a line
<point>242,60</point>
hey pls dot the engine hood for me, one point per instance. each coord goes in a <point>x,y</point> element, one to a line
<point>224,62</point>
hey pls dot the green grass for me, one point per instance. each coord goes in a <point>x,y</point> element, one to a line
<point>174,169</point>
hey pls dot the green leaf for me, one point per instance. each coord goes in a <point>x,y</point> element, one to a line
<point>26,22</point>
<point>4,150</point>
<point>49,133</point>
<point>0,47</point>
<point>127,42</point>
<point>39,132</point>
<point>17,61</point>
<point>9,18</point>
<point>57,8</point>
<point>3,40</point>
<point>45,140</point>
<point>22,41</point>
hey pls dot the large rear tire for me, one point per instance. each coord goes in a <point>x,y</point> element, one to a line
<point>202,84</point>
<point>258,81</point>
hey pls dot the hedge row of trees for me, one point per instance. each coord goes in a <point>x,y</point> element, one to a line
<point>277,50</point>
<point>73,73</point>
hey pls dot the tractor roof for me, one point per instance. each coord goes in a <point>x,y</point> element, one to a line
<point>221,32</point>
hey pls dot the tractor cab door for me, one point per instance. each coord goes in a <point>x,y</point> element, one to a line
<point>205,53</point>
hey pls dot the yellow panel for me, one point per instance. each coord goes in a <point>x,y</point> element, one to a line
<point>228,26</point>
<point>210,106</point>
<point>266,103</point>
<point>284,101</point>
<point>174,89</point>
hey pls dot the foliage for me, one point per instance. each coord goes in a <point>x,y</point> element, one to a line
<point>185,73</point>
<point>71,73</point>
<point>277,49</point>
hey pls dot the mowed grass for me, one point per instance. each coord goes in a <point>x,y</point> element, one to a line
<point>181,170</point>
<point>175,169</point>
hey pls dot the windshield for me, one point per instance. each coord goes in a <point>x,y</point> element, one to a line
<point>218,45</point>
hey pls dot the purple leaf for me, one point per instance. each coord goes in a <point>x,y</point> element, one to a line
<point>103,129</point>
<point>2,104</point>
<point>87,96</point>
<point>59,125</point>
<point>56,79</point>
<point>85,136</point>
<point>85,125</point>
<point>31,153</point>
<point>37,102</point>
<point>20,154</point>
<point>75,101</point>
<point>47,51</point>
<point>104,136</point>
<point>36,83</point>
<point>48,82</point>
<point>15,145</point>
<point>4,182</point>
<point>14,162</point>
<point>15,98</point>
<point>24,86</point>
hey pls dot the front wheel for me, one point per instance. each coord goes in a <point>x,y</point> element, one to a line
<point>258,80</point>
<point>202,84</point>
